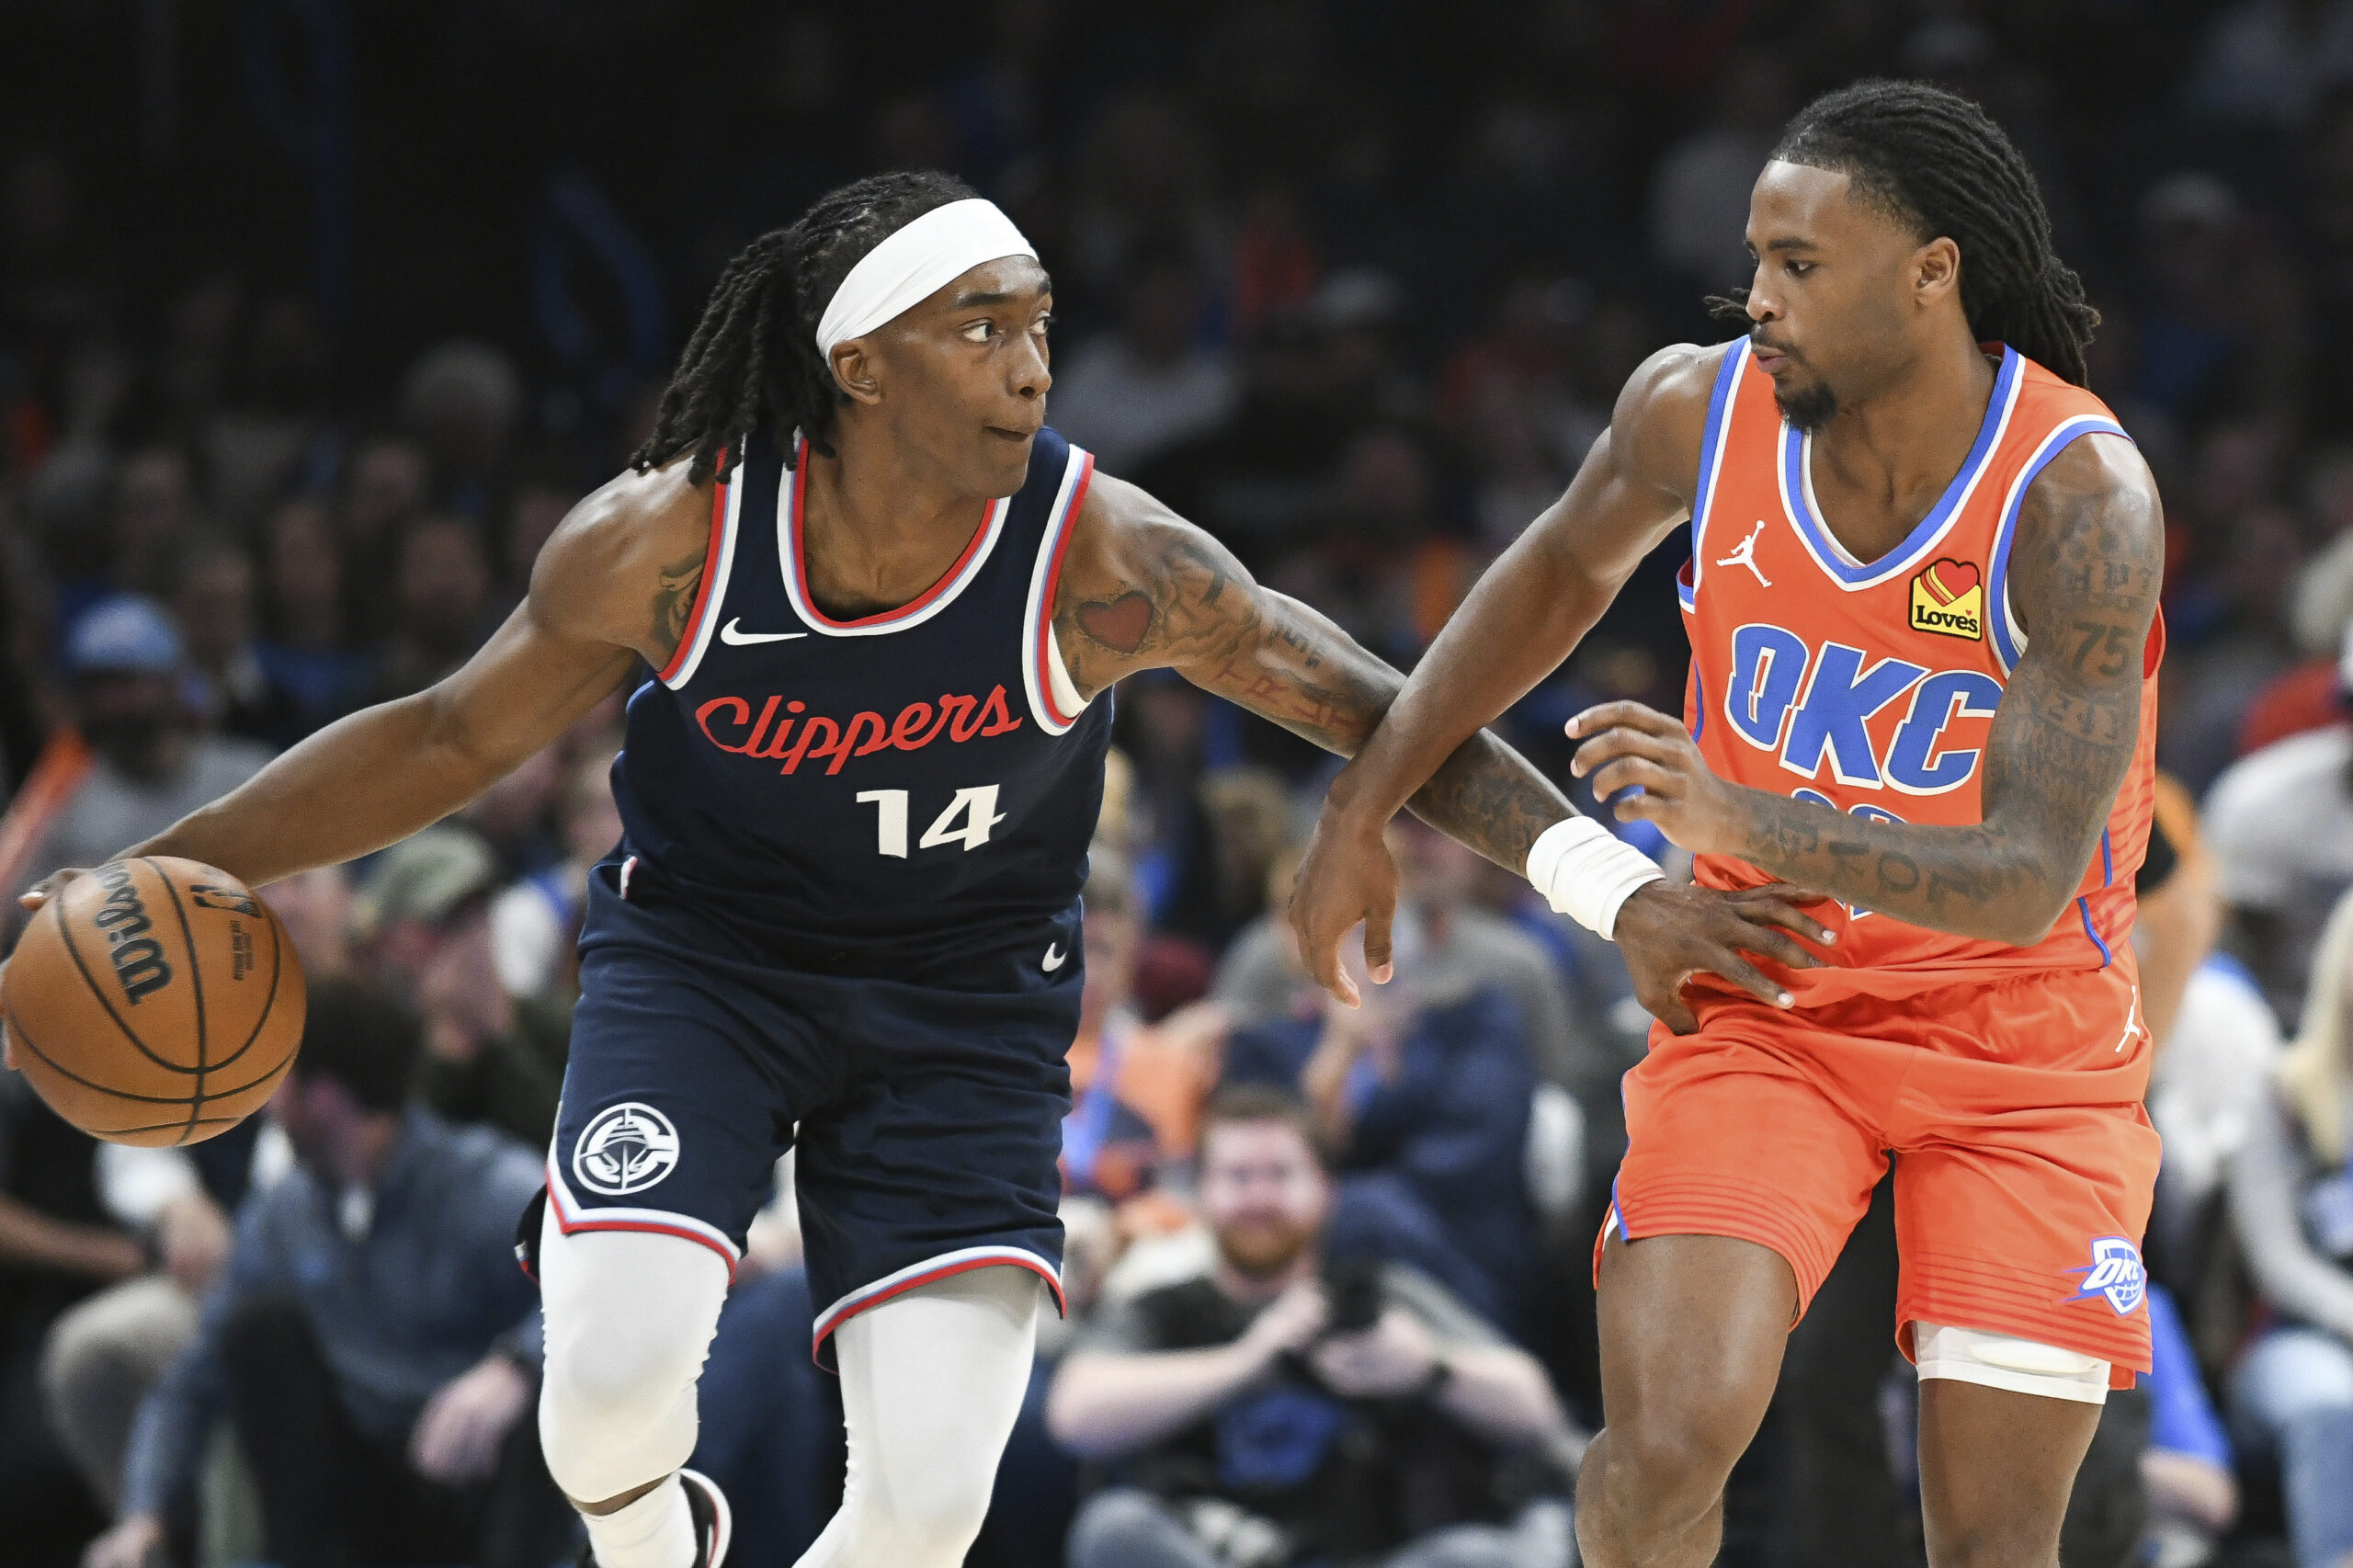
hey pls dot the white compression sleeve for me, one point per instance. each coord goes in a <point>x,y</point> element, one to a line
<point>931,1383</point>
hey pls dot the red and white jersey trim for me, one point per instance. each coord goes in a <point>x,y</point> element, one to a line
<point>929,1271</point>
<point>726,507</point>
<point>572,1219</point>
<point>790,492</point>
<point>1054,700</point>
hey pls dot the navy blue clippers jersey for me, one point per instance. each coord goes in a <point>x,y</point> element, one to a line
<point>881,795</point>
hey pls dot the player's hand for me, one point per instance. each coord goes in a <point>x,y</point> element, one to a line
<point>1393,1356</point>
<point>1628,745</point>
<point>457,1438</point>
<point>1346,879</point>
<point>1671,931</point>
<point>129,1545</point>
<point>1289,1323</point>
<point>49,887</point>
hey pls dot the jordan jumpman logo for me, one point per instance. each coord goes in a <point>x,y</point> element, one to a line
<point>1745,554</point>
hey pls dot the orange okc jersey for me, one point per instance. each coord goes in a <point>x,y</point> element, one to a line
<point>1869,686</point>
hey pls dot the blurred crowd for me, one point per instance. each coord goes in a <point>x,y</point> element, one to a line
<point>1355,288</point>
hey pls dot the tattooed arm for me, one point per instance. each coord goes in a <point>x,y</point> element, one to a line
<point>2085,576</point>
<point>614,586</point>
<point>1141,589</point>
<point>1144,589</point>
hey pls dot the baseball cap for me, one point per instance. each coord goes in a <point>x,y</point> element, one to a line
<point>428,877</point>
<point>125,634</point>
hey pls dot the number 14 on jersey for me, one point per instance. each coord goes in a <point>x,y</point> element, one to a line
<point>967,821</point>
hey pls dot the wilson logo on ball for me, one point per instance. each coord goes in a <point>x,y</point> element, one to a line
<point>138,957</point>
<point>1948,599</point>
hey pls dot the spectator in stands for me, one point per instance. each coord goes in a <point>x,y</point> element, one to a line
<point>215,606</point>
<point>2279,823</point>
<point>1460,948</point>
<point>440,594</point>
<point>535,920</point>
<point>372,1342</point>
<point>1421,1100</point>
<point>1132,393</point>
<point>105,1355</point>
<point>58,1244</point>
<point>2292,1197</point>
<point>151,763</point>
<point>489,1056</point>
<point>305,650</point>
<point>1277,1410</point>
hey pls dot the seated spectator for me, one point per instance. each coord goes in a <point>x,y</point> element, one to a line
<point>489,1056</point>
<point>2193,1496</point>
<point>2292,1197</point>
<point>535,922</point>
<point>2279,824</point>
<point>214,602</point>
<point>1136,1088</point>
<point>1461,947</point>
<point>306,651</point>
<point>153,762</point>
<point>58,1244</point>
<point>1424,1105</point>
<point>107,1354</point>
<point>1150,385</point>
<point>1279,1411</point>
<point>371,1343</point>
<point>441,594</point>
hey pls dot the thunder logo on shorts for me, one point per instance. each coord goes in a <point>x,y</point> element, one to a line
<point>2114,1272</point>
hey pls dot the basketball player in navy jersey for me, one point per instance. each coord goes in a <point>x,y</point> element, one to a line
<point>885,604</point>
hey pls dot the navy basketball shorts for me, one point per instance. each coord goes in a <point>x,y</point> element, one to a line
<point>929,1120</point>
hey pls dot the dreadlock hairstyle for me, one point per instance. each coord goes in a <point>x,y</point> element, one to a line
<point>752,363</point>
<point>1937,160</point>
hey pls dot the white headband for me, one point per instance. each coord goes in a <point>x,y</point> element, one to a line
<point>910,263</point>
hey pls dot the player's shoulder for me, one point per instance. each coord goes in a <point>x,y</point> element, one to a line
<point>616,545</point>
<point>1662,412</point>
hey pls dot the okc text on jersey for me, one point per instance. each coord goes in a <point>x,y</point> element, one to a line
<point>1811,706</point>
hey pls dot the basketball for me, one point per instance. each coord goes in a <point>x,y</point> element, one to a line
<point>154,1001</point>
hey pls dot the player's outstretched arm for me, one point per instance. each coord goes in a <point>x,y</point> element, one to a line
<point>1144,589</point>
<point>2085,576</point>
<point>615,585</point>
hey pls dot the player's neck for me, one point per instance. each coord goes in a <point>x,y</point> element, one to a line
<point>877,529</point>
<point>1882,461</point>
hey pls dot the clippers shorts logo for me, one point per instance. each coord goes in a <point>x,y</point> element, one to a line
<point>1948,599</point>
<point>624,1149</point>
<point>2115,1274</point>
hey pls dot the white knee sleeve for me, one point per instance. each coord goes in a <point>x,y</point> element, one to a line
<point>931,1384</point>
<point>630,1316</point>
<point>2006,1361</point>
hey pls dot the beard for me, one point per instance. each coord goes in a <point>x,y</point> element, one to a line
<point>1261,1248</point>
<point>1807,408</point>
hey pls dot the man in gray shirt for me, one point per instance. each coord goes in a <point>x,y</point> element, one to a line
<point>152,764</point>
<point>372,1343</point>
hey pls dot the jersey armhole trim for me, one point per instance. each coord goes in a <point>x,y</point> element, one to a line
<point>1054,699</point>
<point>1712,442</point>
<point>2008,642</point>
<point>726,506</point>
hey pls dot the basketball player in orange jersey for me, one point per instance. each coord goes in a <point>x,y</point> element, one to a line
<point>1922,604</point>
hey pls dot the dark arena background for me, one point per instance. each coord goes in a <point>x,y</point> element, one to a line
<point>316,316</point>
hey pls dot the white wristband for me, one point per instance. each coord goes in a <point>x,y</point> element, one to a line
<point>1585,873</point>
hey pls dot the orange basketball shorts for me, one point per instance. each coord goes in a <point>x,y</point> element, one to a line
<point>2024,1162</point>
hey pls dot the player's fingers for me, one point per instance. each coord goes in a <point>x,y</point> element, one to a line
<point>1675,1013</point>
<point>1629,770</point>
<point>1785,914</point>
<point>1640,805</point>
<point>1766,942</point>
<point>1747,976</point>
<point>1377,941</point>
<point>1620,715</point>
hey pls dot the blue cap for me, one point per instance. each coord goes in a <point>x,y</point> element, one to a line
<point>127,634</point>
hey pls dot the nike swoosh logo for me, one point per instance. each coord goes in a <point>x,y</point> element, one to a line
<point>728,633</point>
<point>1054,958</point>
